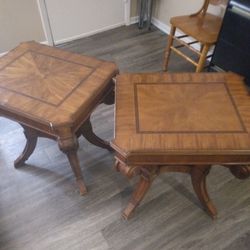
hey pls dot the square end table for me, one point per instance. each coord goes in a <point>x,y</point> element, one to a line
<point>181,123</point>
<point>52,93</point>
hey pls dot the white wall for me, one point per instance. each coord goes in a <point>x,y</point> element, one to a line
<point>78,18</point>
<point>165,9</point>
<point>70,19</point>
<point>19,21</point>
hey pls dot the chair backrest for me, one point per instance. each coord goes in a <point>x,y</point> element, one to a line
<point>205,5</point>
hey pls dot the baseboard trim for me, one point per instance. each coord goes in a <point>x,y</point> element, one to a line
<point>156,22</point>
<point>134,19</point>
<point>160,25</point>
<point>45,42</point>
<point>69,39</point>
<point>4,53</point>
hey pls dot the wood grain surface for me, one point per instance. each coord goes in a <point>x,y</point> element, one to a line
<point>51,85</point>
<point>52,94</point>
<point>183,113</point>
<point>40,210</point>
<point>180,123</point>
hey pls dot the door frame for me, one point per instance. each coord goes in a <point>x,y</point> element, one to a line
<point>127,9</point>
<point>42,7</point>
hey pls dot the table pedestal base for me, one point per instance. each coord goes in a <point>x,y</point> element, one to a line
<point>240,172</point>
<point>198,175</point>
<point>68,144</point>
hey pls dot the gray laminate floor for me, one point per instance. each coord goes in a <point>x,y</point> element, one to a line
<point>40,207</point>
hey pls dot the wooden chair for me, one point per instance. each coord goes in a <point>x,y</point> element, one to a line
<point>202,27</point>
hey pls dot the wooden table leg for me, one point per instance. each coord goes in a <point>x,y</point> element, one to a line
<point>146,178</point>
<point>147,175</point>
<point>198,176</point>
<point>31,140</point>
<point>109,99</point>
<point>87,131</point>
<point>240,172</point>
<point>68,144</point>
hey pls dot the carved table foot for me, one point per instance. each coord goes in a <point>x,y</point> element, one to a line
<point>240,172</point>
<point>147,175</point>
<point>74,163</point>
<point>146,179</point>
<point>31,137</point>
<point>198,176</point>
<point>68,144</point>
<point>87,131</point>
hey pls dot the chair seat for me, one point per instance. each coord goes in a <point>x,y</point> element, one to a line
<point>203,29</point>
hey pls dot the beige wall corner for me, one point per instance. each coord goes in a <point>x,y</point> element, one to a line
<point>19,21</point>
<point>133,12</point>
<point>165,9</point>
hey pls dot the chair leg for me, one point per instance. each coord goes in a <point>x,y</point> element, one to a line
<point>202,60</point>
<point>168,48</point>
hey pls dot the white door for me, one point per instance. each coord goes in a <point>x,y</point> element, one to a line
<point>71,19</point>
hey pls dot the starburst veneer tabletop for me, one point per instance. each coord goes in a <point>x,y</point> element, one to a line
<point>42,77</point>
<point>52,93</point>
<point>50,84</point>
<point>181,123</point>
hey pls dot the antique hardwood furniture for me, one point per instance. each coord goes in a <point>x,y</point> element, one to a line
<point>232,50</point>
<point>180,123</point>
<point>52,93</point>
<point>202,27</point>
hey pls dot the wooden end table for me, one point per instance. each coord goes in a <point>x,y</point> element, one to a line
<point>181,123</point>
<point>52,93</point>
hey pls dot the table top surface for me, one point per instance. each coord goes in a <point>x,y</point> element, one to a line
<point>178,114</point>
<point>50,85</point>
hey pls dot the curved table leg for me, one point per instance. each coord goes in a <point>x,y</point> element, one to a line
<point>146,179</point>
<point>240,172</point>
<point>87,131</point>
<point>69,145</point>
<point>31,137</point>
<point>109,99</point>
<point>198,176</point>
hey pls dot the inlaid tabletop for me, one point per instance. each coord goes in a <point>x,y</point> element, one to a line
<point>182,114</point>
<point>51,93</point>
<point>50,85</point>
